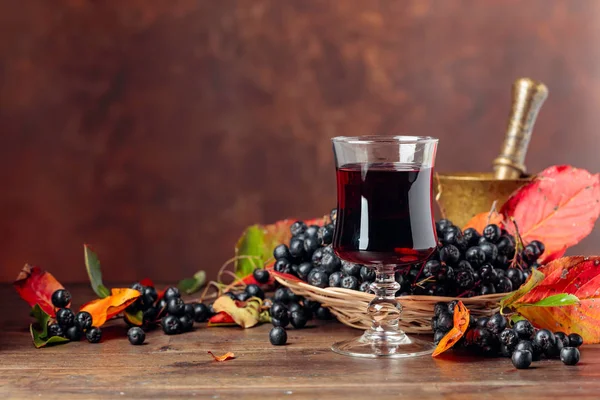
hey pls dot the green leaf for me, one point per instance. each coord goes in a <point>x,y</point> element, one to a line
<point>516,317</point>
<point>40,338</point>
<point>92,264</point>
<point>557,300</point>
<point>534,279</point>
<point>136,319</point>
<point>252,246</point>
<point>192,285</point>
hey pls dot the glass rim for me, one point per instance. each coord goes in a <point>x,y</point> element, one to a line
<point>368,139</point>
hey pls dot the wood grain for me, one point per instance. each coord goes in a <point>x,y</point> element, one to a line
<point>156,131</point>
<point>179,367</point>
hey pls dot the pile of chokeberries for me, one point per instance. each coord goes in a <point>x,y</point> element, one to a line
<point>70,325</point>
<point>466,264</point>
<point>494,337</point>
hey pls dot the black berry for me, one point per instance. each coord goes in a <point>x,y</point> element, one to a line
<point>55,330</point>
<point>304,269</point>
<point>149,296</point>
<point>278,336</point>
<point>201,312</point>
<point>496,323</point>
<point>449,254</point>
<point>136,335</point>
<point>350,282</point>
<point>73,333</point>
<point>367,274</point>
<point>282,321</point>
<point>330,263</point>
<point>509,338</point>
<point>310,245</point>
<point>171,325</point>
<point>325,234</point>
<point>297,249</point>
<point>318,277</point>
<point>490,250</point>
<point>563,338</point>
<point>522,359</point>
<point>176,306</point>
<point>471,236</point>
<point>255,291</point>
<point>243,296</point>
<point>278,310</point>
<point>83,320</point>
<point>189,311</point>
<point>335,279</point>
<point>351,269</point>
<point>475,256</point>
<point>187,323</point>
<point>323,313</point>
<point>298,319</point>
<point>297,228</point>
<point>65,318</point>
<point>570,355</point>
<point>575,340</point>
<point>281,251</point>
<point>171,293</point>
<point>523,329</point>
<point>445,322</point>
<point>545,339</point>
<point>93,335</point>
<point>261,275</point>
<point>61,298</point>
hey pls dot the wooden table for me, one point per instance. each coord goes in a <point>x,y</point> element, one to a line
<point>179,366</point>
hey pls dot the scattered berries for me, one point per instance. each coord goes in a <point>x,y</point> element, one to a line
<point>569,355</point>
<point>94,335</point>
<point>522,359</point>
<point>136,335</point>
<point>575,340</point>
<point>278,336</point>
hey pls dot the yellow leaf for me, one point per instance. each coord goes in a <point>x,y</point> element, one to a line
<point>224,357</point>
<point>246,316</point>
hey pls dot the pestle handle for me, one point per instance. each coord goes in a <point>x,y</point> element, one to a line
<point>527,99</point>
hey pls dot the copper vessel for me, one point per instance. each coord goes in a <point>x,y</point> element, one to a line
<point>460,196</point>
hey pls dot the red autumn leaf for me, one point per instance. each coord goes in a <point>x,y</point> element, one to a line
<point>578,276</point>
<point>481,220</point>
<point>461,323</point>
<point>104,309</point>
<point>147,282</point>
<point>224,357</point>
<point>559,208</point>
<point>221,319</point>
<point>36,286</point>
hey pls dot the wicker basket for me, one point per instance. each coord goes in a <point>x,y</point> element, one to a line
<point>349,306</point>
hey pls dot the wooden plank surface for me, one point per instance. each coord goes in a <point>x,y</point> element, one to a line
<point>179,367</point>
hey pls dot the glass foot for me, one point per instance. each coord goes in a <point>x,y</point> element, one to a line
<point>393,346</point>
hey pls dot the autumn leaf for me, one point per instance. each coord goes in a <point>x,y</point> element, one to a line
<point>36,286</point>
<point>106,308</point>
<point>40,337</point>
<point>558,208</point>
<point>461,323</point>
<point>246,314</point>
<point>567,299</point>
<point>258,241</point>
<point>92,265</point>
<point>221,319</point>
<point>481,220</point>
<point>224,357</point>
<point>193,284</point>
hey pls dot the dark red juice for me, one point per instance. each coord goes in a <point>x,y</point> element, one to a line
<point>384,214</point>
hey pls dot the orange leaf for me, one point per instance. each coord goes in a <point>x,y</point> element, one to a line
<point>106,308</point>
<point>461,323</point>
<point>559,208</point>
<point>36,286</point>
<point>578,276</point>
<point>224,357</point>
<point>483,219</point>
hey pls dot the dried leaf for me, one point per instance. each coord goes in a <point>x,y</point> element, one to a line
<point>106,308</point>
<point>221,319</point>
<point>258,241</point>
<point>193,284</point>
<point>224,357</point>
<point>92,264</point>
<point>461,323</point>
<point>245,316</point>
<point>40,338</point>
<point>481,220</point>
<point>136,319</point>
<point>534,279</point>
<point>559,208</point>
<point>566,278</point>
<point>36,286</point>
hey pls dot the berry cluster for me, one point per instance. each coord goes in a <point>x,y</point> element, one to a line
<point>494,337</point>
<point>70,325</point>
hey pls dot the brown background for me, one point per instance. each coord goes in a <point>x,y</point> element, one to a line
<point>157,130</point>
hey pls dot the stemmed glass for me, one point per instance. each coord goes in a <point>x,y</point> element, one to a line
<point>384,221</point>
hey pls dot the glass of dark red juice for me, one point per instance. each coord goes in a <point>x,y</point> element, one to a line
<point>384,221</point>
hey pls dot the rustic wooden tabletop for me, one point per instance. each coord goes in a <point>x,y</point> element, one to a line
<point>179,366</point>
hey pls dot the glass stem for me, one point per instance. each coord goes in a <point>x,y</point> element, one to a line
<point>384,309</point>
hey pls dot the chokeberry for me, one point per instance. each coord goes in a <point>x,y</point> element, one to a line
<point>282,295</point>
<point>516,277</point>
<point>318,277</point>
<point>539,245</point>
<point>297,228</point>
<point>487,274</point>
<point>93,335</point>
<point>65,318</point>
<point>312,231</point>
<point>437,336</point>
<point>138,286</point>
<point>445,322</point>
<point>318,256</point>
<point>294,306</point>
<point>471,236</point>
<point>349,282</point>
<point>443,224</point>
<point>298,319</point>
<point>282,321</point>
<point>281,251</point>
<point>261,275</point>
<point>482,322</point>
<point>452,237</point>
<point>304,269</point>
<point>525,345</point>
<point>278,336</point>
<point>176,306</point>
<point>575,340</point>
<point>490,250</point>
<point>310,245</point>
<point>281,265</point>
<point>242,296</point>
<point>149,296</point>
<point>255,291</point>
<point>73,333</point>
<point>323,313</point>
<point>187,323</point>
<point>335,279</point>
<point>277,310</point>
<point>562,337</point>
<point>330,263</point>
<point>464,279</point>
<point>530,253</point>
<point>431,268</point>
<point>545,339</point>
<point>506,246</point>
<point>522,359</point>
<point>487,289</point>
<point>325,234</point>
<point>351,269</point>
<point>492,233</point>
<point>171,293</point>
<point>438,308</point>
<point>570,355</point>
<point>475,256</point>
<point>136,335</point>
<point>150,315</point>
<point>55,330</point>
<point>367,274</point>
<point>365,286</point>
<point>449,254</point>
<point>496,323</point>
<point>509,338</point>
<point>451,306</point>
<point>61,298</point>
<point>523,329</point>
<point>297,249</point>
<point>189,311</point>
<point>161,308</point>
<point>171,325</point>
<point>504,285</point>
<point>554,350</point>
<point>83,320</point>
